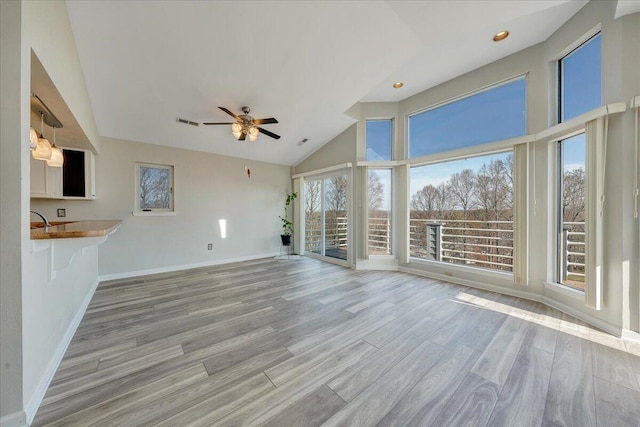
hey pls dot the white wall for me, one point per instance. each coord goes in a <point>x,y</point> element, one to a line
<point>11,214</point>
<point>54,310</point>
<point>208,188</point>
<point>340,149</point>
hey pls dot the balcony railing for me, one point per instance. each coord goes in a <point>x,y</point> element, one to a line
<point>483,244</point>
<point>379,240</point>
<point>572,254</point>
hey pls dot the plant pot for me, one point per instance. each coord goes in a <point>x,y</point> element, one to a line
<point>286,239</point>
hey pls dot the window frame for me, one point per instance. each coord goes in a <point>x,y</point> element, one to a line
<point>518,210</point>
<point>573,48</point>
<point>558,202</point>
<point>392,245</point>
<point>138,211</point>
<point>391,138</point>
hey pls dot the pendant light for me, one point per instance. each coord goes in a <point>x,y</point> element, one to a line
<point>43,147</point>
<point>56,159</point>
<point>33,139</point>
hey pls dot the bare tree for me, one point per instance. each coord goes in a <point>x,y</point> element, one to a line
<point>312,196</point>
<point>573,195</point>
<point>495,190</point>
<point>425,202</point>
<point>336,194</point>
<point>155,188</point>
<point>376,192</point>
<point>462,186</point>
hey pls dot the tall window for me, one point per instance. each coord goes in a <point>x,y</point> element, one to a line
<point>491,115</point>
<point>326,216</point>
<point>154,188</point>
<point>571,212</point>
<point>379,241</point>
<point>461,212</point>
<point>580,80</point>
<point>379,138</point>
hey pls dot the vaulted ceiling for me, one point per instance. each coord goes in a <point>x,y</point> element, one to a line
<point>305,63</point>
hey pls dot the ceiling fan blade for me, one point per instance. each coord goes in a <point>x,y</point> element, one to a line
<point>227,123</point>
<point>243,136</point>
<point>229,113</point>
<point>271,134</point>
<point>264,121</point>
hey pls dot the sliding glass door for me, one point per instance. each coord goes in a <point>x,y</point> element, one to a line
<point>326,217</point>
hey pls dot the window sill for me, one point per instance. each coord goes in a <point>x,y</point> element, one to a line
<point>154,213</point>
<point>457,268</point>
<point>564,290</point>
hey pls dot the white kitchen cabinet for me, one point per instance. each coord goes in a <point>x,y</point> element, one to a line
<point>75,180</point>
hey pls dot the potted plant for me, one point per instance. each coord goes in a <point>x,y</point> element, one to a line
<point>287,226</point>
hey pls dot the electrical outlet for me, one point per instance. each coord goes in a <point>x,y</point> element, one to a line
<point>62,213</point>
<point>210,247</point>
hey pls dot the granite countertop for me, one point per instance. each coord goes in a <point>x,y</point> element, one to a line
<point>73,229</point>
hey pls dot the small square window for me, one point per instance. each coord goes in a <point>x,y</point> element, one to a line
<point>154,189</point>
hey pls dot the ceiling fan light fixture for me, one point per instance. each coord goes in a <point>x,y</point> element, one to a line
<point>253,131</point>
<point>253,137</point>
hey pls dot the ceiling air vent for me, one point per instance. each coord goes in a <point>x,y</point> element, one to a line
<point>186,122</point>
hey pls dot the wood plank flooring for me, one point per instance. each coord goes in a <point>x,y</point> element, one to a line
<point>306,343</point>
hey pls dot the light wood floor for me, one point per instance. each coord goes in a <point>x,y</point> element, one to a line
<point>304,343</point>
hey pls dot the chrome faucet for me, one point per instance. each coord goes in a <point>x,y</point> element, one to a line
<point>44,218</point>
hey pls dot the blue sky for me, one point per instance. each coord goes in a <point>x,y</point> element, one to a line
<point>492,115</point>
<point>379,139</point>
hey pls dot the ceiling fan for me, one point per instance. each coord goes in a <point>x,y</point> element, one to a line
<point>245,125</point>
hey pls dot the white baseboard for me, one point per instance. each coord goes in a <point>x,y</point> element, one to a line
<point>36,399</point>
<point>585,317</point>
<point>17,419</point>
<point>372,267</point>
<point>471,283</point>
<point>136,273</point>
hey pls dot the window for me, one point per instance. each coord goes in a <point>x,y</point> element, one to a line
<point>154,188</point>
<point>493,114</point>
<point>379,137</point>
<point>461,212</point>
<point>326,216</point>
<point>379,229</point>
<point>580,80</point>
<point>571,212</point>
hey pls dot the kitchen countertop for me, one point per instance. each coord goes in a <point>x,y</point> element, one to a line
<point>74,229</point>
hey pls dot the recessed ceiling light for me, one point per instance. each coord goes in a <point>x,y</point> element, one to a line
<point>501,36</point>
<point>398,85</point>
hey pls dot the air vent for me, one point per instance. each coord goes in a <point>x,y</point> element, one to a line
<point>186,122</point>
<point>301,143</point>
